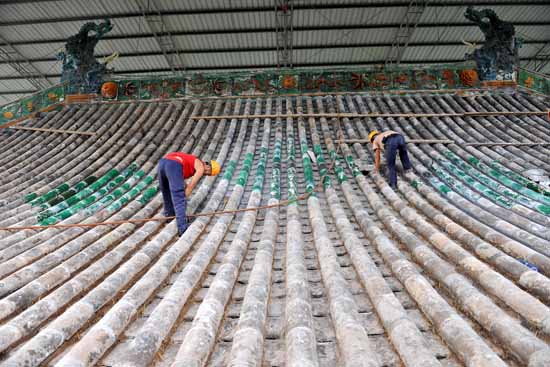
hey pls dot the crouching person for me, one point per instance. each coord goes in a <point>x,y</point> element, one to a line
<point>390,142</point>
<point>173,170</point>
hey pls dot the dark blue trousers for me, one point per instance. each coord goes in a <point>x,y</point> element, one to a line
<point>172,186</point>
<point>393,144</point>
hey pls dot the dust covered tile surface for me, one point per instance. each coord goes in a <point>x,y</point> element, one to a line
<point>450,269</point>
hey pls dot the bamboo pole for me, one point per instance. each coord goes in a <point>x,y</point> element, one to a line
<point>330,115</point>
<point>412,141</point>
<point>444,141</point>
<point>373,115</point>
<point>506,113</point>
<point>507,144</point>
<point>23,118</point>
<point>54,130</point>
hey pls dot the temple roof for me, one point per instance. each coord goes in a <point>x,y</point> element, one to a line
<point>451,269</point>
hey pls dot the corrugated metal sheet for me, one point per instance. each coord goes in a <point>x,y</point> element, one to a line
<point>40,51</point>
<point>359,16</point>
<point>15,85</point>
<point>49,67</point>
<point>434,53</point>
<point>132,45</point>
<point>457,34</point>
<point>534,32</point>
<point>6,70</point>
<point>531,13</point>
<point>232,28</point>
<point>140,63</point>
<point>301,39</point>
<point>340,55</point>
<point>355,36</point>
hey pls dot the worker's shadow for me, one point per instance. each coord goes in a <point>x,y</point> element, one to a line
<point>366,170</point>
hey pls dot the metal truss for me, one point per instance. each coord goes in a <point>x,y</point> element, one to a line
<point>165,40</point>
<point>283,32</point>
<point>404,33</point>
<point>22,65</point>
<point>540,59</point>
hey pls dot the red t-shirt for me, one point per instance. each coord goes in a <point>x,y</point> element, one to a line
<point>187,161</point>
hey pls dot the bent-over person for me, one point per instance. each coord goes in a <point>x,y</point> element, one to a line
<point>173,170</point>
<point>390,142</point>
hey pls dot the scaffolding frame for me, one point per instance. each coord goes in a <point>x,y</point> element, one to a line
<point>154,18</point>
<point>22,65</point>
<point>540,59</point>
<point>403,35</point>
<point>284,32</point>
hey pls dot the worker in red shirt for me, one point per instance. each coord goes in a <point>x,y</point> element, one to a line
<point>173,170</point>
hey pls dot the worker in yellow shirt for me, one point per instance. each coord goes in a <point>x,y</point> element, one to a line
<point>390,142</point>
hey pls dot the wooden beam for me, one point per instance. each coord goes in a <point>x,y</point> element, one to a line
<point>54,130</point>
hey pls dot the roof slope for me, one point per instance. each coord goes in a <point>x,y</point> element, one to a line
<point>450,270</point>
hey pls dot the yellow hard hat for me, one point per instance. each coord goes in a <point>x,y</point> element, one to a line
<point>372,134</point>
<point>215,168</point>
